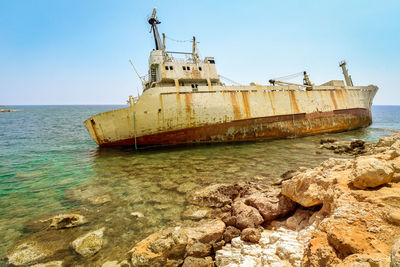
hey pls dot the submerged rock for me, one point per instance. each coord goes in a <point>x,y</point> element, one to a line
<point>217,195</point>
<point>65,221</point>
<point>90,243</point>
<point>49,264</point>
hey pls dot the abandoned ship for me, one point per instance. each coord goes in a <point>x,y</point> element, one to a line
<point>184,101</point>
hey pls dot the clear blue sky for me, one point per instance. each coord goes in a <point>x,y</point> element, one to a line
<point>77,51</point>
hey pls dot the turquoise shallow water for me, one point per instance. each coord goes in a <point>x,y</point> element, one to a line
<point>49,165</point>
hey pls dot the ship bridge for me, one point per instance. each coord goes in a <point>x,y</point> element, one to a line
<point>167,69</point>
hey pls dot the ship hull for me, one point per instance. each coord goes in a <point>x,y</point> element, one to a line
<point>274,127</point>
<point>182,117</point>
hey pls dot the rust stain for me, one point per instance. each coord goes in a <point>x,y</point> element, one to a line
<point>332,93</point>
<point>293,101</point>
<point>236,108</point>
<point>178,87</point>
<point>163,72</point>
<point>188,103</point>
<point>271,96</point>
<point>209,84</point>
<point>196,74</point>
<point>95,132</point>
<point>246,105</point>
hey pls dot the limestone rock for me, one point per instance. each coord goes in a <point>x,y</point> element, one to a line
<point>307,188</point>
<point>198,250</point>
<point>395,254</point>
<point>373,259</point>
<point>229,220</point>
<point>299,219</point>
<point>246,216</point>
<point>90,243</point>
<point>217,195</point>
<point>49,264</point>
<point>66,221</point>
<point>230,233</point>
<point>388,141</point>
<point>198,262</point>
<point>320,253</point>
<point>251,235</point>
<point>207,231</point>
<point>271,204</point>
<point>169,246</point>
<point>371,172</point>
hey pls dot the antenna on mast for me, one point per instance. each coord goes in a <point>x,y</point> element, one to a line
<point>141,78</point>
<point>153,21</point>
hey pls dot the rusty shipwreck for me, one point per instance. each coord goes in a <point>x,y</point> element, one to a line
<point>184,101</point>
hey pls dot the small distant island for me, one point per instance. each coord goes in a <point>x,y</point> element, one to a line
<point>5,110</point>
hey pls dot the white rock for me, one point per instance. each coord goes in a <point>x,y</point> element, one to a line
<point>137,214</point>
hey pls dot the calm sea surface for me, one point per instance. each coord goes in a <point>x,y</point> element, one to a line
<point>50,165</point>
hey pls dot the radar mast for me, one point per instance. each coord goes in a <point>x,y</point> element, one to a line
<point>153,21</point>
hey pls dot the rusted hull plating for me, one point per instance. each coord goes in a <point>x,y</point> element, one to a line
<point>271,127</point>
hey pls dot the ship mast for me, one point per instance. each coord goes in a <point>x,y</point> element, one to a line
<point>153,21</point>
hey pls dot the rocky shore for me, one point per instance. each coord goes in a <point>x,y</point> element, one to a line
<point>344,212</point>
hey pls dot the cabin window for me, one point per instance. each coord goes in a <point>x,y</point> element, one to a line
<point>184,68</point>
<point>200,69</point>
<point>171,68</point>
<point>166,67</point>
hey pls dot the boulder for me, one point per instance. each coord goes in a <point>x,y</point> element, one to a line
<point>308,188</point>
<point>371,172</point>
<point>230,233</point>
<point>198,262</point>
<point>395,254</point>
<point>229,220</point>
<point>206,231</point>
<point>271,204</point>
<point>65,221</point>
<point>246,216</point>
<point>169,246</point>
<point>90,243</point>
<point>40,246</point>
<point>251,234</point>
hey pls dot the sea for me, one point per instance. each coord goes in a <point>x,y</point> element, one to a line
<point>49,165</point>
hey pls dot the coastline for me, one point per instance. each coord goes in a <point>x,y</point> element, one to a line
<point>291,224</point>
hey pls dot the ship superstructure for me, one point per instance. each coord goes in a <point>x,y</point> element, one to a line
<point>184,101</point>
